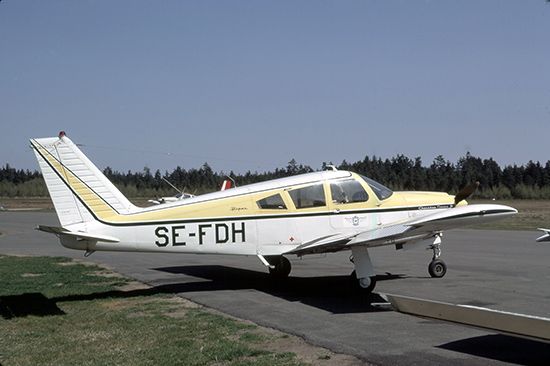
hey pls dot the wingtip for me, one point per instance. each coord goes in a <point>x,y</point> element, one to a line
<point>545,237</point>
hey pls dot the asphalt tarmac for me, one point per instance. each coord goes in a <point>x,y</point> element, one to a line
<point>501,270</point>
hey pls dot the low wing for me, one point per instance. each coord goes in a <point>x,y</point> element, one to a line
<point>545,237</point>
<point>77,234</point>
<point>513,324</point>
<point>408,231</point>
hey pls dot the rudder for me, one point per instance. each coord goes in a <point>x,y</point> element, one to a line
<point>79,190</point>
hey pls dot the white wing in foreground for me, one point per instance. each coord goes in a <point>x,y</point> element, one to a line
<point>409,231</point>
<point>513,324</point>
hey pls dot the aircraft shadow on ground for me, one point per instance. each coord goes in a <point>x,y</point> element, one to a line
<point>36,304</point>
<point>17,306</point>
<point>330,293</point>
<point>334,294</point>
<point>503,348</point>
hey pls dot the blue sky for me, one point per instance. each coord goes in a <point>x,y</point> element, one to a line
<point>250,85</point>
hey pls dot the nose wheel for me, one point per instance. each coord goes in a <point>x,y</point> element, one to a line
<point>437,268</point>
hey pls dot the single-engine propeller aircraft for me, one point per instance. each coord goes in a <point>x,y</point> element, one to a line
<point>313,213</point>
<point>181,195</point>
<point>545,237</point>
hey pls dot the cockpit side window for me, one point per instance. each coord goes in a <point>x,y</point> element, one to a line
<point>274,202</point>
<point>307,197</point>
<point>348,191</point>
<point>379,190</point>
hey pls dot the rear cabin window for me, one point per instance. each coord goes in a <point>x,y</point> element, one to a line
<point>307,197</point>
<point>274,202</point>
<point>348,191</point>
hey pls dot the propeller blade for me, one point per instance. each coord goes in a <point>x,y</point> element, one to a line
<point>466,192</point>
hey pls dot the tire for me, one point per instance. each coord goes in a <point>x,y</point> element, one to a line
<point>282,266</point>
<point>356,285</point>
<point>437,268</point>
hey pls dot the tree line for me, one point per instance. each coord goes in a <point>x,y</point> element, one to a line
<point>530,181</point>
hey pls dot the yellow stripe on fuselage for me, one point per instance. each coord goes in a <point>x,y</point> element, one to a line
<point>89,198</point>
<point>237,206</point>
<point>222,205</point>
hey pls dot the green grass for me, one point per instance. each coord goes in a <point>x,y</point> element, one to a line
<point>58,312</point>
<point>531,215</point>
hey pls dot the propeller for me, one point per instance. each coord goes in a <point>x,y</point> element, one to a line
<point>466,192</point>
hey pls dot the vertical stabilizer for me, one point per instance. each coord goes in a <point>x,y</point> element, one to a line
<point>79,190</point>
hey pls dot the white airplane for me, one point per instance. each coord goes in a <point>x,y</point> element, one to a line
<point>174,198</point>
<point>545,237</point>
<point>181,195</point>
<point>313,213</point>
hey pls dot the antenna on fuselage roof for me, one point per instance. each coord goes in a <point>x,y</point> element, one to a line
<point>329,167</point>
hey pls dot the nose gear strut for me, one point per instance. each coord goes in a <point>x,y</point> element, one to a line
<point>437,268</point>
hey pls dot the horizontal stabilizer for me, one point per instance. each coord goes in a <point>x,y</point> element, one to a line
<point>517,325</point>
<point>545,237</point>
<point>77,234</point>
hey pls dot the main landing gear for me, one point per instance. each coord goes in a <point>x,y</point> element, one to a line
<point>363,278</point>
<point>364,285</point>
<point>279,266</point>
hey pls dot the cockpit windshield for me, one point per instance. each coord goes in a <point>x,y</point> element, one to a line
<point>382,192</point>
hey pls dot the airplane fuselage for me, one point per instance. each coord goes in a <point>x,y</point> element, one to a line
<point>265,218</point>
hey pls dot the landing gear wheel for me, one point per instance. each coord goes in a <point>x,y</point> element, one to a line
<point>437,268</point>
<point>282,266</point>
<point>359,285</point>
